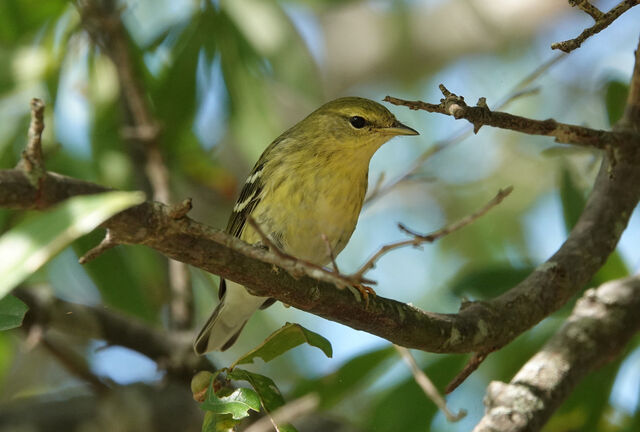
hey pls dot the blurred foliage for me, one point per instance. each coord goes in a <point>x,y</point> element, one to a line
<point>222,79</point>
<point>12,311</point>
<point>29,245</point>
<point>615,98</point>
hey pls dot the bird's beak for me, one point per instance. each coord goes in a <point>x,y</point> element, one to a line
<point>398,128</point>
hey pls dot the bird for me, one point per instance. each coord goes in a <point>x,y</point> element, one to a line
<point>305,194</point>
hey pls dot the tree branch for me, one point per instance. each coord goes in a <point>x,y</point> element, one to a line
<point>481,115</point>
<point>517,91</point>
<point>32,161</point>
<point>171,352</point>
<point>601,324</point>
<point>479,326</point>
<point>427,386</point>
<point>103,23</point>
<point>602,21</point>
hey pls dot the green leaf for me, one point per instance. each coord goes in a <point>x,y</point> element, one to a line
<point>12,312</point>
<point>615,98</point>
<point>237,403</point>
<point>282,340</point>
<point>218,422</point>
<point>269,394</point>
<point>332,388</point>
<point>267,390</point>
<point>573,198</point>
<point>21,19</point>
<point>29,245</point>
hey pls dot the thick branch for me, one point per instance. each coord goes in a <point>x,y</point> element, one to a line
<point>169,351</point>
<point>478,327</point>
<point>602,22</point>
<point>481,115</point>
<point>601,324</point>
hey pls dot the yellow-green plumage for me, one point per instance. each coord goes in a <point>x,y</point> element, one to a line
<point>309,183</point>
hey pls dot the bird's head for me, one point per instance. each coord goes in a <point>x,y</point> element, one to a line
<point>352,123</point>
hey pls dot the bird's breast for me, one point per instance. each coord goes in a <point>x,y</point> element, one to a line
<point>308,209</point>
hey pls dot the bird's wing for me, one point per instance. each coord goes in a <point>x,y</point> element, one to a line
<point>248,200</point>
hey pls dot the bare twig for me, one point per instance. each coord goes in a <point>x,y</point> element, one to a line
<point>419,239</point>
<point>296,409</point>
<point>32,161</point>
<point>268,243</point>
<point>479,116</point>
<point>181,303</point>
<point>300,267</point>
<point>518,91</point>
<point>427,386</point>
<point>602,21</point>
<point>331,254</point>
<point>180,210</point>
<point>357,279</point>
<point>587,7</point>
<point>603,321</point>
<point>108,242</point>
<point>474,362</point>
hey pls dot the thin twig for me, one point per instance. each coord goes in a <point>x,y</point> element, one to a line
<point>418,239</point>
<point>296,409</point>
<point>588,8</point>
<point>330,253</point>
<point>602,21</point>
<point>479,116</point>
<point>474,362</point>
<point>519,90</point>
<point>267,242</point>
<point>32,161</point>
<point>180,210</point>
<point>427,386</point>
<point>108,242</point>
<point>302,267</point>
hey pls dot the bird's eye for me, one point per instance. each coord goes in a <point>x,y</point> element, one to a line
<point>357,122</point>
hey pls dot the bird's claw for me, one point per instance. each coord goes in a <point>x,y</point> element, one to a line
<point>364,292</point>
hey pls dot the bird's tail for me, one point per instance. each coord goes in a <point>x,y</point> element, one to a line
<point>227,320</point>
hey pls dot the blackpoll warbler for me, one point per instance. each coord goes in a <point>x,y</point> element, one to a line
<point>306,189</point>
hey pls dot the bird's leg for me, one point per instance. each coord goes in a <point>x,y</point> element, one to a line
<point>365,291</point>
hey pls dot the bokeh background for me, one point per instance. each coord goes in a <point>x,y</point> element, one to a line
<point>224,78</point>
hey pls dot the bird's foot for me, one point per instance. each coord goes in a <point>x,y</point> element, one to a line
<point>365,291</point>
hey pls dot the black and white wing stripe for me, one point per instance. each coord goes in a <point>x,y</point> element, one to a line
<point>248,200</point>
